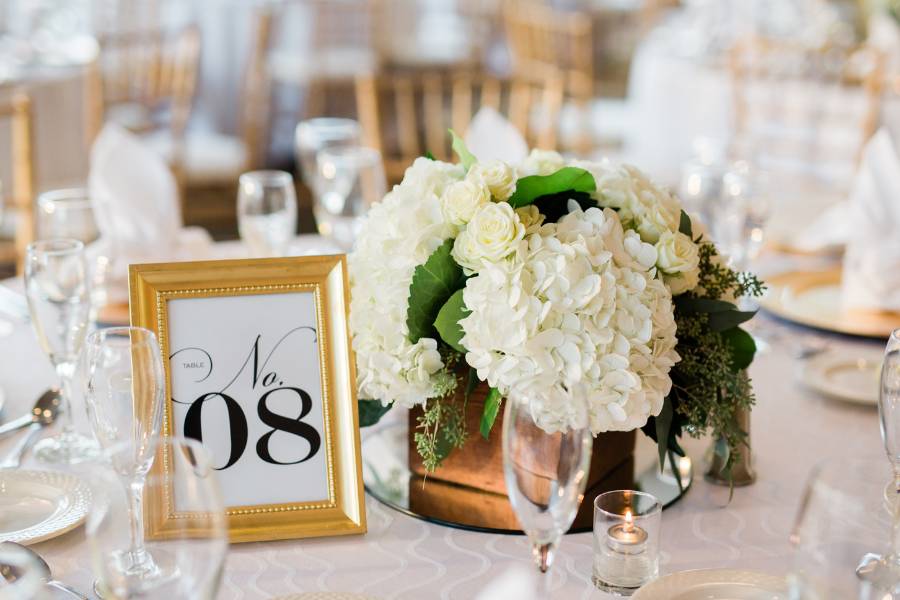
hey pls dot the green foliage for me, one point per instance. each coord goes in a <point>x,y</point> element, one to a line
<point>440,429</point>
<point>432,285</point>
<point>371,411</point>
<point>489,415</point>
<point>684,226</point>
<point>567,179</point>
<point>447,321</point>
<point>466,158</point>
<point>555,206</point>
<point>429,155</point>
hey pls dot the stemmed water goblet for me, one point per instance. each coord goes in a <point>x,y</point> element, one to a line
<point>188,548</point>
<point>546,464</point>
<point>351,179</point>
<point>124,387</point>
<point>56,286</point>
<point>267,212</point>
<point>315,135</point>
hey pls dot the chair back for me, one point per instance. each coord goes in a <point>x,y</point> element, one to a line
<point>406,116</point>
<point>16,111</point>
<point>805,110</point>
<point>542,37</point>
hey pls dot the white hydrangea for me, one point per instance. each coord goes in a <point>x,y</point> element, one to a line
<point>578,303</point>
<point>542,162</point>
<point>399,234</point>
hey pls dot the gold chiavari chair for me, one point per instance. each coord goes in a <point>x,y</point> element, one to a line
<point>405,116</point>
<point>805,110</point>
<point>542,37</point>
<point>16,111</point>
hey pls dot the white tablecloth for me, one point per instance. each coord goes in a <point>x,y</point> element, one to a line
<point>402,557</point>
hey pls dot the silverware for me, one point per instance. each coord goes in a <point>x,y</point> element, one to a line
<point>11,573</point>
<point>48,398</point>
<point>44,413</point>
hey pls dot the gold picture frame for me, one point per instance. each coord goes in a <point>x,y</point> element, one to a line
<point>152,286</point>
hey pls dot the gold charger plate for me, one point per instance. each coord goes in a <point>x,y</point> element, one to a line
<point>814,299</point>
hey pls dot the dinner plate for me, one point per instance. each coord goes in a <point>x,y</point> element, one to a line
<point>39,505</point>
<point>714,584</point>
<point>814,299</point>
<point>325,596</point>
<point>844,375</point>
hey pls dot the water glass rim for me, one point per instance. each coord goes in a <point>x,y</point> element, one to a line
<point>266,178</point>
<point>55,247</point>
<point>148,337</point>
<point>328,124</point>
<point>70,196</point>
<point>654,508</point>
<point>350,156</point>
<point>895,335</point>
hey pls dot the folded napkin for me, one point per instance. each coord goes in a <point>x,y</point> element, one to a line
<point>871,276</point>
<point>491,136</point>
<point>135,201</point>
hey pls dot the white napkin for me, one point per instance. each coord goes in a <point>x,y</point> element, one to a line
<point>135,202</point>
<point>871,276</point>
<point>491,136</point>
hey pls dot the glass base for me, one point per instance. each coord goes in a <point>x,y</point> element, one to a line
<point>67,448</point>
<point>615,590</point>
<point>881,573</point>
<point>129,578</point>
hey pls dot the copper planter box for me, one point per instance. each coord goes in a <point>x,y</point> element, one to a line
<point>469,487</point>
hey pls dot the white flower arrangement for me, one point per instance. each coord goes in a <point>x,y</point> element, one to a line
<point>536,277</point>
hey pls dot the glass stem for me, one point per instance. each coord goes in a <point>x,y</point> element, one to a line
<point>65,373</point>
<point>137,553</point>
<point>894,555</point>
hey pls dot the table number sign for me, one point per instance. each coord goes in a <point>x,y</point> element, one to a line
<point>259,368</point>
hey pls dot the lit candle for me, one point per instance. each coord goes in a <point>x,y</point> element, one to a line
<point>626,538</point>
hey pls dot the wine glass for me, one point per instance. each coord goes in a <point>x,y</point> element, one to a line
<point>545,464</point>
<point>351,179</point>
<point>267,212</point>
<point>68,213</point>
<point>841,517</point>
<point>56,286</point>
<point>20,572</point>
<point>6,326</point>
<point>124,386</point>
<point>187,532</point>
<point>884,570</point>
<point>314,135</point>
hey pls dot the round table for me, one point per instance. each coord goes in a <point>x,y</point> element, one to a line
<point>403,557</point>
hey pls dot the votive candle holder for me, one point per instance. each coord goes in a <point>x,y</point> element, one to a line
<point>626,541</point>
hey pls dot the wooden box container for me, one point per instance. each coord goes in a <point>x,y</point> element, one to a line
<point>469,487</point>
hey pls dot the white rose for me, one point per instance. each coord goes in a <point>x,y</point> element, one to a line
<point>491,235</point>
<point>683,282</point>
<point>461,199</point>
<point>676,253</point>
<point>531,218</point>
<point>542,162</point>
<point>497,175</point>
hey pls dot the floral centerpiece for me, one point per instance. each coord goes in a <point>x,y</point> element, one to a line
<point>537,276</point>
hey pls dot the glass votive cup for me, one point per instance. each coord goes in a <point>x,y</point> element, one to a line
<point>626,541</point>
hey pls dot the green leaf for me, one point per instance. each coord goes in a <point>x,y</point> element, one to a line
<point>555,206</point>
<point>429,155</point>
<point>663,426</point>
<point>371,411</point>
<point>466,158</point>
<point>720,321</point>
<point>472,383</point>
<point>742,347</point>
<point>685,225</point>
<point>448,318</point>
<point>529,189</point>
<point>432,285</point>
<point>688,304</point>
<point>491,408</point>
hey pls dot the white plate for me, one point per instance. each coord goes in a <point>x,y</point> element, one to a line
<point>39,505</point>
<point>844,375</point>
<point>325,596</point>
<point>714,584</point>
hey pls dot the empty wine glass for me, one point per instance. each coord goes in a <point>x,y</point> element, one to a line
<point>842,515</point>
<point>351,179</point>
<point>741,213</point>
<point>186,533</point>
<point>56,286</point>
<point>884,571</point>
<point>124,386</point>
<point>68,213</point>
<point>267,212</point>
<point>545,464</point>
<point>314,135</point>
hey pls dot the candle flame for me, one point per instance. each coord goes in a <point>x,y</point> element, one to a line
<point>629,520</point>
